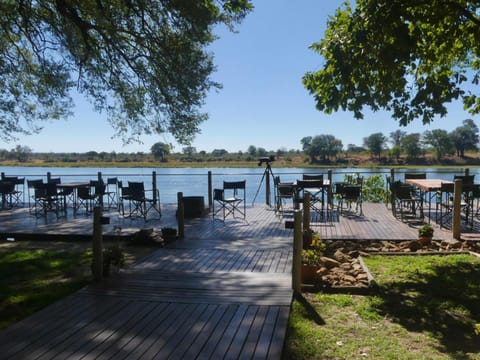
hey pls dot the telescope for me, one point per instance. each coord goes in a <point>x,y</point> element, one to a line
<point>266,159</point>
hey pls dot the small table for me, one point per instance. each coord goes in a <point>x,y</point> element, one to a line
<point>74,187</point>
<point>318,188</point>
<point>430,186</point>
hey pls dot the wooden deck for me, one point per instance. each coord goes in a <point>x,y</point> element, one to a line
<point>219,293</point>
<point>222,292</point>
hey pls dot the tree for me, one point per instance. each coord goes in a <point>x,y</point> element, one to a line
<point>323,146</point>
<point>440,141</point>
<point>252,150</point>
<point>397,136</point>
<point>410,57</point>
<point>375,143</point>
<point>160,151</point>
<point>465,137</point>
<point>145,63</point>
<point>22,153</point>
<point>411,145</point>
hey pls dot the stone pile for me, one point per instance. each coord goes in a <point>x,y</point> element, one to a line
<point>341,266</point>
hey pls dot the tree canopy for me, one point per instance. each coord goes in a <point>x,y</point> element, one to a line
<point>410,57</point>
<point>145,63</point>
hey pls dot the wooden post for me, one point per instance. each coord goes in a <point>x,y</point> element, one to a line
<point>97,260</point>
<point>392,180</point>
<point>329,188</point>
<point>456,222</point>
<point>267,186</point>
<point>99,177</point>
<point>306,211</point>
<point>210,191</point>
<point>180,216</point>
<point>154,187</point>
<point>467,171</point>
<point>49,176</point>
<point>297,252</point>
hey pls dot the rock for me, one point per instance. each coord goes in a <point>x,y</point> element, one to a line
<point>362,277</point>
<point>340,256</point>
<point>349,279</point>
<point>455,244</point>
<point>414,246</point>
<point>329,263</point>
<point>322,271</point>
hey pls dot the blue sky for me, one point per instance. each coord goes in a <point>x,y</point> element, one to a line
<point>262,103</point>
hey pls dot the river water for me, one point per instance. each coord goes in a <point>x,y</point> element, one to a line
<point>194,181</point>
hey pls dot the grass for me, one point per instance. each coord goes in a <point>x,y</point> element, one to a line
<point>32,279</point>
<point>425,307</point>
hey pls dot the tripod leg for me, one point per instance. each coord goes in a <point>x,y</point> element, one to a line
<point>258,190</point>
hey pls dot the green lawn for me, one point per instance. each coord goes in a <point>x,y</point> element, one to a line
<point>32,279</point>
<point>425,307</point>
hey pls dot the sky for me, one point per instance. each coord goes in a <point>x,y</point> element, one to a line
<point>262,103</point>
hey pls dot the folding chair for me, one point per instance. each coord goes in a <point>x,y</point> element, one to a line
<point>284,192</point>
<point>229,199</point>
<point>405,201</point>
<point>349,195</point>
<point>17,195</point>
<point>31,185</point>
<point>112,192</point>
<point>315,189</point>
<point>140,204</point>
<point>46,199</point>
<point>86,198</point>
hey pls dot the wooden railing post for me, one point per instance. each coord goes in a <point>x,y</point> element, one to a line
<point>456,223</point>
<point>180,216</point>
<point>467,171</point>
<point>329,188</point>
<point>97,246</point>
<point>154,187</point>
<point>306,211</point>
<point>297,252</point>
<point>210,191</point>
<point>49,176</point>
<point>99,177</point>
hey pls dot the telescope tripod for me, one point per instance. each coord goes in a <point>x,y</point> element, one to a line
<point>267,173</point>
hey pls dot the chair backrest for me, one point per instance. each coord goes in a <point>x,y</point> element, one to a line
<point>218,194</point>
<point>235,186</point>
<point>33,183</point>
<point>466,179</point>
<point>286,189</point>
<point>136,189</point>
<point>112,181</point>
<point>56,180</point>
<point>401,190</point>
<point>306,184</point>
<point>83,192</point>
<point>447,188</point>
<point>51,188</point>
<point>352,192</point>
<point>339,187</point>
<point>6,187</point>
<point>313,177</point>
<point>415,176</point>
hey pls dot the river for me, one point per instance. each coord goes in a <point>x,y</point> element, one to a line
<point>194,181</point>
